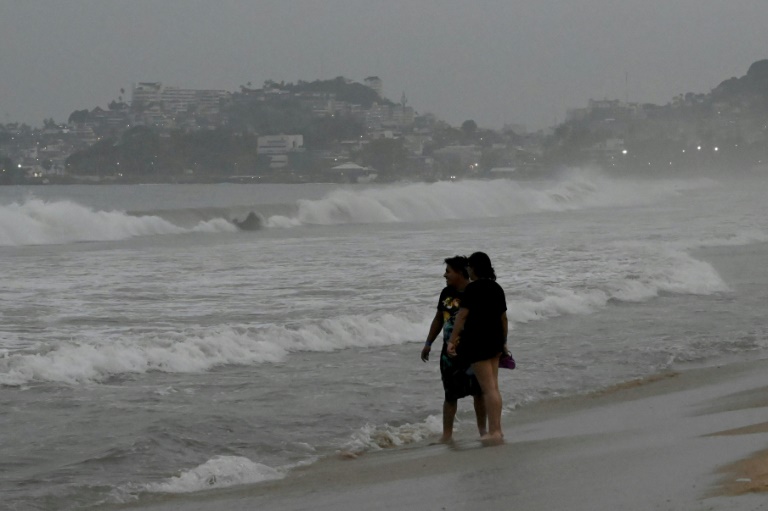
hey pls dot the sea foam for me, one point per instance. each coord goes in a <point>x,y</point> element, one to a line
<point>218,472</point>
<point>39,222</point>
<point>373,437</point>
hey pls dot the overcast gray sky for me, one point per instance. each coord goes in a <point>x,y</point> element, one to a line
<point>494,61</point>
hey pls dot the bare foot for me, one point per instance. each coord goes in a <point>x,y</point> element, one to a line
<point>446,439</point>
<point>492,439</point>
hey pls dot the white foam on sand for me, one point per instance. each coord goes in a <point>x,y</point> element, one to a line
<point>218,472</point>
<point>373,437</point>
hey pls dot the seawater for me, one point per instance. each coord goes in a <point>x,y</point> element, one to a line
<point>147,346</point>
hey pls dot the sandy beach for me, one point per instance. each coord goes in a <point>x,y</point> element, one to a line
<point>694,440</point>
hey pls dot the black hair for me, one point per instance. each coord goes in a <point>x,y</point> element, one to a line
<point>481,265</point>
<point>458,264</point>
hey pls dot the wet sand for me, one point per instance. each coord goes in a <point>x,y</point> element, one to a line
<point>694,440</point>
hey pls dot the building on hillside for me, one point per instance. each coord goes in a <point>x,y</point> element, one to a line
<point>401,116</point>
<point>175,100</point>
<point>415,142</point>
<point>146,92</point>
<point>279,144</point>
<point>605,149</point>
<point>459,156</point>
<point>376,116</point>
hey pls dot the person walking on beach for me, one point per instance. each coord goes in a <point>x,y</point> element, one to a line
<point>479,337</point>
<point>456,383</point>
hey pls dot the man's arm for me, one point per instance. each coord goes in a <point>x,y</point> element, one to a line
<point>458,327</point>
<point>434,331</point>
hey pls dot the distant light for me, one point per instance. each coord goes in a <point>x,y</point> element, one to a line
<point>698,148</point>
<point>19,165</point>
<point>624,151</point>
<point>683,150</point>
<point>717,148</point>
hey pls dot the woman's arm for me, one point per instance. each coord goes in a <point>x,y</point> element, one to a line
<point>504,330</point>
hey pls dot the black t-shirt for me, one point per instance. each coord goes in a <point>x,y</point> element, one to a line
<point>449,305</point>
<point>485,300</point>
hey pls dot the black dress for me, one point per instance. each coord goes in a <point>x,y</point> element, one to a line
<point>483,334</point>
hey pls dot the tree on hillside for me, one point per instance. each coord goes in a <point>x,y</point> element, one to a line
<point>10,174</point>
<point>444,135</point>
<point>139,150</point>
<point>387,155</point>
<point>469,128</point>
<point>96,160</point>
<point>324,131</point>
<point>78,116</point>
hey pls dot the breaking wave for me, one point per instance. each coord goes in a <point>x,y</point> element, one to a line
<point>201,349</point>
<point>38,222</point>
<point>445,200</point>
<point>193,351</point>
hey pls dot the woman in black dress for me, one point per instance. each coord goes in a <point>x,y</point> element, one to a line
<point>480,335</point>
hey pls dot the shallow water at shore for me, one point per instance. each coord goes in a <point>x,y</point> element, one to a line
<point>159,360</point>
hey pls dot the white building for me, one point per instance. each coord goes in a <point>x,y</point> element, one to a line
<point>175,100</point>
<point>146,93</point>
<point>279,144</point>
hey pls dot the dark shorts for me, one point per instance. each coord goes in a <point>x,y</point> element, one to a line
<point>456,382</point>
<point>476,350</point>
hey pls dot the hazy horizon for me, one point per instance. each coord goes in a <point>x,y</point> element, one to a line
<point>494,62</point>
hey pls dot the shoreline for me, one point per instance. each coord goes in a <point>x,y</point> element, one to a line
<point>679,440</point>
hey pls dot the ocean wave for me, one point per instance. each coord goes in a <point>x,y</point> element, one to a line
<point>39,222</point>
<point>378,437</point>
<point>83,361</point>
<point>650,272</point>
<point>73,362</point>
<point>740,238</point>
<point>654,270</point>
<point>218,472</point>
<point>445,200</point>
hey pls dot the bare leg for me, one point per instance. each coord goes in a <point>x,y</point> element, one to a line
<point>487,373</point>
<point>480,415</point>
<point>449,414</point>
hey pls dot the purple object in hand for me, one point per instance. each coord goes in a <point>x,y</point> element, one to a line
<point>506,361</point>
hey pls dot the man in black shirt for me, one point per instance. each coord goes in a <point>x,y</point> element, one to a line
<point>456,382</point>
